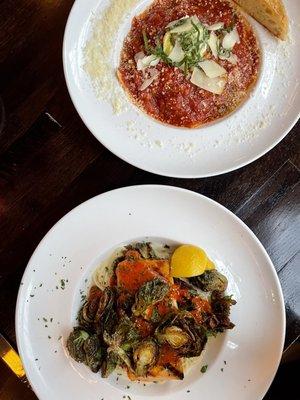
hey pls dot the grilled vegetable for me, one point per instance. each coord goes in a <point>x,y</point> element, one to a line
<point>86,349</point>
<point>121,342</point>
<point>145,356</point>
<point>106,317</point>
<point>75,344</point>
<point>149,293</point>
<point>210,281</point>
<point>109,365</point>
<point>181,332</point>
<point>94,353</point>
<point>221,309</point>
<point>87,314</point>
<point>144,248</point>
<point>174,336</point>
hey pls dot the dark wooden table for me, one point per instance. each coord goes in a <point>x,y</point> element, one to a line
<point>50,163</point>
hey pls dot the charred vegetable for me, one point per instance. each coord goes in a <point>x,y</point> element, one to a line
<point>145,356</point>
<point>86,349</point>
<point>87,314</point>
<point>120,343</point>
<point>144,248</point>
<point>221,310</point>
<point>149,294</point>
<point>106,317</point>
<point>98,312</point>
<point>174,336</point>
<point>94,353</point>
<point>210,280</point>
<point>181,332</point>
<point>109,365</point>
<point>75,344</point>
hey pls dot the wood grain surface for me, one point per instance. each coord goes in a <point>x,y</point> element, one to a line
<point>50,163</point>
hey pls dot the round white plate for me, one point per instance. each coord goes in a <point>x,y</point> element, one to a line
<point>246,135</point>
<point>241,362</point>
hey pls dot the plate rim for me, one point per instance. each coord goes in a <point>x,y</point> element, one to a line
<point>20,303</point>
<point>235,167</point>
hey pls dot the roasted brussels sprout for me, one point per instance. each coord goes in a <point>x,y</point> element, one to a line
<point>94,353</point>
<point>145,356</point>
<point>122,341</point>
<point>174,336</point>
<point>87,314</point>
<point>75,344</point>
<point>210,281</point>
<point>85,348</point>
<point>106,316</point>
<point>149,293</point>
<point>183,334</point>
<point>109,364</point>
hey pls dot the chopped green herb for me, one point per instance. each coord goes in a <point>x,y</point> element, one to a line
<point>41,285</point>
<point>204,369</point>
<point>45,319</point>
<point>32,295</point>
<point>222,369</point>
<point>49,337</point>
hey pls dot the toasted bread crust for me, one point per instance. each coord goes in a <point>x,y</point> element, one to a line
<point>270,13</point>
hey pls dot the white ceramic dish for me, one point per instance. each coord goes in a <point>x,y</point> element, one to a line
<point>78,242</point>
<point>246,135</point>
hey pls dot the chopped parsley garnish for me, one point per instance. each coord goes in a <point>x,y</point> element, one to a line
<point>204,369</point>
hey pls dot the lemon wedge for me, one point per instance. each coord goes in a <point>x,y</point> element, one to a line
<point>188,260</point>
<point>209,265</point>
<point>167,44</point>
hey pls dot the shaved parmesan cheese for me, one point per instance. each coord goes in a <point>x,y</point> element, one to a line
<point>139,56</point>
<point>153,75</point>
<point>215,27</point>
<point>177,54</point>
<point>195,20</point>
<point>230,39</point>
<point>213,44</point>
<point>212,85</point>
<point>212,69</point>
<point>146,61</point>
<point>232,58</point>
<point>202,49</point>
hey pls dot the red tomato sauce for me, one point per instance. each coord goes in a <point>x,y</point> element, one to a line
<point>172,98</point>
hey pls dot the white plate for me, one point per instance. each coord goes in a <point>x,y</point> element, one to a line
<point>74,247</point>
<point>246,135</point>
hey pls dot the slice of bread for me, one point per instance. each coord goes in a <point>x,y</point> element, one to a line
<point>270,13</point>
